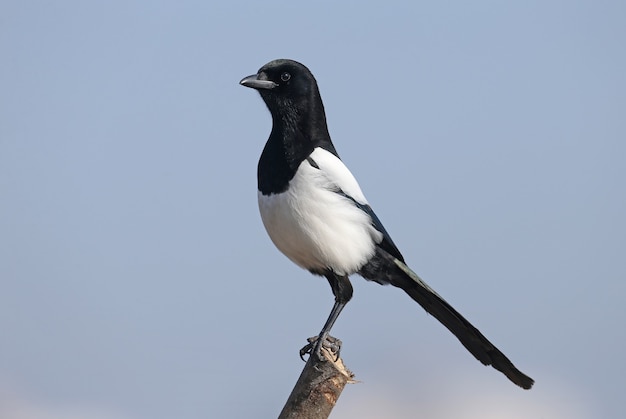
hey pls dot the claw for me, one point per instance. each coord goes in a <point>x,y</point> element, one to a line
<point>332,344</point>
<point>306,349</point>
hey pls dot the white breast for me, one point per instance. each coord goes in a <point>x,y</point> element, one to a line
<point>316,228</point>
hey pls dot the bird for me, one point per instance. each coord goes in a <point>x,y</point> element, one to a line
<point>316,214</point>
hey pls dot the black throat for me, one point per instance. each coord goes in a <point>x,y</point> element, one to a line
<point>296,132</point>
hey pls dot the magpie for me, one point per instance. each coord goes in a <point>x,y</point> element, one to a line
<point>316,214</point>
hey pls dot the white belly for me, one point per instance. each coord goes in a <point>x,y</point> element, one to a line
<point>316,228</point>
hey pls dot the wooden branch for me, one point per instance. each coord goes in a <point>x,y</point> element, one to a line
<point>318,388</point>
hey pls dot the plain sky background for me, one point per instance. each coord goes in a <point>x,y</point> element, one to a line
<point>137,281</point>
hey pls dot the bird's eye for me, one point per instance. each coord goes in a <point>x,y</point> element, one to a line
<point>285,76</point>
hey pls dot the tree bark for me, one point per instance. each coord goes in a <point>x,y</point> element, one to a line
<point>318,388</point>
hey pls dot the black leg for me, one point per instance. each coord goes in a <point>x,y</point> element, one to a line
<point>342,290</point>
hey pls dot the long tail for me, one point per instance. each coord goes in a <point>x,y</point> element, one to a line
<point>470,337</point>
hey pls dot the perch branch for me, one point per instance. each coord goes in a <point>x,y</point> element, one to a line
<point>318,388</point>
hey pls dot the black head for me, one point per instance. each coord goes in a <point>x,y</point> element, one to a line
<point>286,86</point>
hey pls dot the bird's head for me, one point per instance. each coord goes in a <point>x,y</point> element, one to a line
<point>285,86</point>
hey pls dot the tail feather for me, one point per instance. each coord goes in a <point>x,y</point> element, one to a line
<point>468,335</point>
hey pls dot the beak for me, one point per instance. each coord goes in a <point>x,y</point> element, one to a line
<point>254,82</point>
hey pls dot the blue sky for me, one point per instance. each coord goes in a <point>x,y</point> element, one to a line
<point>137,281</point>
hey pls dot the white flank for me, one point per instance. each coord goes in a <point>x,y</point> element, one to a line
<point>316,228</point>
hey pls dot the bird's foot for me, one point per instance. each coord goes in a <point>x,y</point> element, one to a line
<point>315,345</point>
